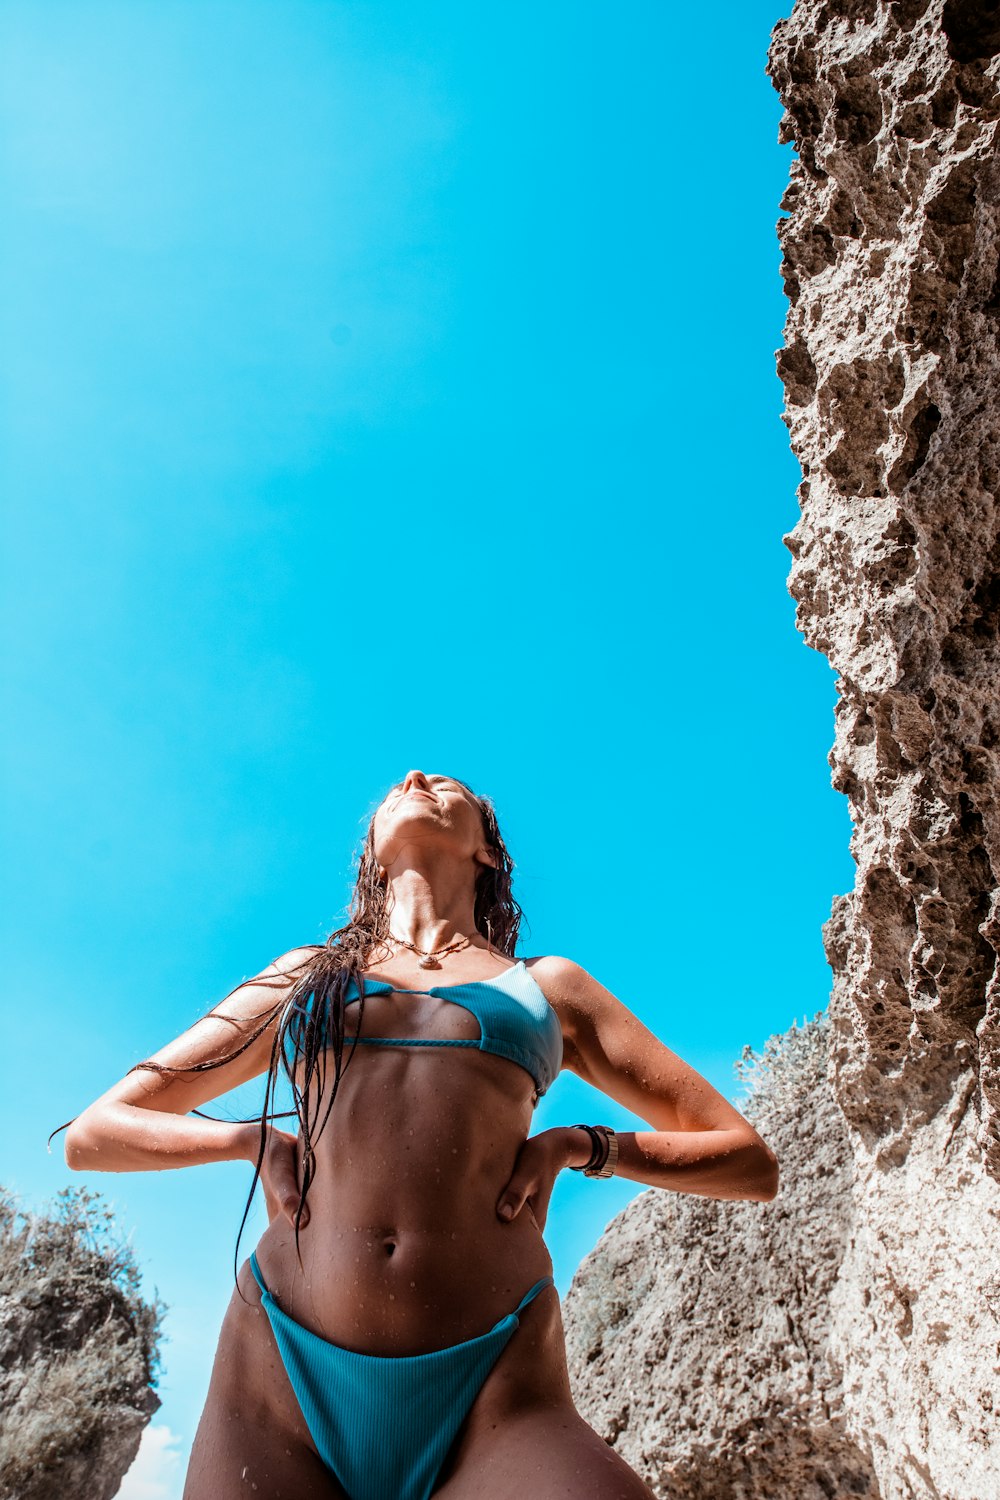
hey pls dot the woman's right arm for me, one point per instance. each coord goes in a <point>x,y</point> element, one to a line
<point>142,1123</point>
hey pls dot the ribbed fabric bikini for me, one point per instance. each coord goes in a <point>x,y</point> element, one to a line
<point>383,1424</point>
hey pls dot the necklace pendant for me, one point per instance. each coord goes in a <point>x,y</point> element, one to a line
<point>428,962</point>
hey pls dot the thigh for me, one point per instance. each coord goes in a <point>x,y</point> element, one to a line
<point>252,1439</point>
<point>524,1436</point>
<point>549,1454</point>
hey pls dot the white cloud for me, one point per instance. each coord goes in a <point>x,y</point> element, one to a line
<point>156,1473</point>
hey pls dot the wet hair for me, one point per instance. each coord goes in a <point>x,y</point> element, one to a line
<point>308,1020</point>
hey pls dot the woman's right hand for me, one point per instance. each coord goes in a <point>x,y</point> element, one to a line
<point>279,1173</point>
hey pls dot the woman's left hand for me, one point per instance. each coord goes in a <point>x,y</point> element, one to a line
<point>539,1162</point>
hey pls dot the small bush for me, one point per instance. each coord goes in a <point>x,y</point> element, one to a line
<point>793,1065</point>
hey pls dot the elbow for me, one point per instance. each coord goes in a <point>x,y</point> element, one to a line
<point>755,1169</point>
<point>767,1181</point>
<point>82,1147</point>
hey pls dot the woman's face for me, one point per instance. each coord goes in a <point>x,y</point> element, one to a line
<point>429,812</point>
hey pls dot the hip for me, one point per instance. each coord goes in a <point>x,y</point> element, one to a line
<point>388,1289</point>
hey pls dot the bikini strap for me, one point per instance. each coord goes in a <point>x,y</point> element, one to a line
<point>255,1268</point>
<point>528,1296</point>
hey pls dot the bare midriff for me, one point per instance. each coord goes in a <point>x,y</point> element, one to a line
<point>404,1251</point>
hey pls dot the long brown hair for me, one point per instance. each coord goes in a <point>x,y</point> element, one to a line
<point>308,1020</point>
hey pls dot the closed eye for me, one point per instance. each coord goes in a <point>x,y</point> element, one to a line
<point>439,780</point>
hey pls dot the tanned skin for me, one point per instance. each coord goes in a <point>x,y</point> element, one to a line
<point>405,1248</point>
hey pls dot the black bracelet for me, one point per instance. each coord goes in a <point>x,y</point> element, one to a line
<point>598,1149</point>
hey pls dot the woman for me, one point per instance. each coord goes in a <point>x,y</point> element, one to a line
<point>397,1334</point>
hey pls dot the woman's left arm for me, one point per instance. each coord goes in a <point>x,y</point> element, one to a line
<point>699,1143</point>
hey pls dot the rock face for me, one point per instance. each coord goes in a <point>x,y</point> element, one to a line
<point>891,365</point>
<point>699,1332</point>
<point>78,1353</point>
<point>891,368</point>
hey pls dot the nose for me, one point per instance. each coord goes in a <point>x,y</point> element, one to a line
<point>415,781</point>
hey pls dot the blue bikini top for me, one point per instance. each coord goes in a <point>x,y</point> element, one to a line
<point>515,1019</point>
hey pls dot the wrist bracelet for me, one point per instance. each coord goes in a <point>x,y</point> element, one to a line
<point>596,1148</point>
<point>609,1161</point>
<point>603,1153</point>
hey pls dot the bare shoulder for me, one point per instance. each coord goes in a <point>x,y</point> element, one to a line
<point>280,974</point>
<point>550,969</point>
<point>569,988</point>
<point>296,960</point>
<point>609,1047</point>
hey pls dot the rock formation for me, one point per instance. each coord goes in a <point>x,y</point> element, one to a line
<point>78,1353</point>
<point>698,1332</point>
<point>891,264</point>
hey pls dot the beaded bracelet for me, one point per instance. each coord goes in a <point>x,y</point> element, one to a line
<point>603,1151</point>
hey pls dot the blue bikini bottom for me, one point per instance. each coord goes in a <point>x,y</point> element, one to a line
<point>383,1424</point>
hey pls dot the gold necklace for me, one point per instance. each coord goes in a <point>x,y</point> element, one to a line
<point>429,959</point>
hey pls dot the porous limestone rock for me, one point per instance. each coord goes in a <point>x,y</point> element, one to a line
<point>698,1332</point>
<point>891,265</point>
<point>890,367</point>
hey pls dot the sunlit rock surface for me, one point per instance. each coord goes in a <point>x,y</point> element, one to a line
<point>699,1332</point>
<point>891,264</point>
<point>78,1353</point>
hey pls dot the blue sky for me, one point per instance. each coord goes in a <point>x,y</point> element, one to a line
<point>391,385</point>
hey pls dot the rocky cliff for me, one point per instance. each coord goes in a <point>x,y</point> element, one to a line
<point>699,1332</point>
<point>891,265</point>
<point>78,1353</point>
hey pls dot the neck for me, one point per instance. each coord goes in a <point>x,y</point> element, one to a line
<point>432,904</point>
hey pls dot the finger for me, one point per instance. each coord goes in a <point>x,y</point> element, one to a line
<point>284,1184</point>
<point>290,1201</point>
<point>538,1208</point>
<point>512,1199</point>
<point>293,1203</point>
